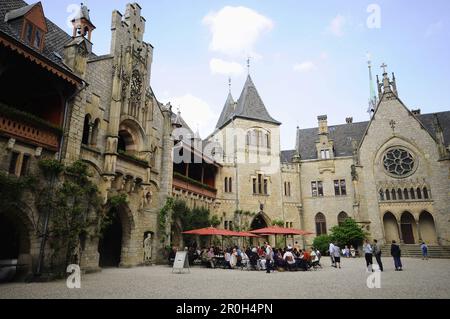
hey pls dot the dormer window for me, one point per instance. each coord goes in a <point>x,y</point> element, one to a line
<point>33,35</point>
<point>325,154</point>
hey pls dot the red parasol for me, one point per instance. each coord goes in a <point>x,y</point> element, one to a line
<point>210,231</point>
<point>277,230</point>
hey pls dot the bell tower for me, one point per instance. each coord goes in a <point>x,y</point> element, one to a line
<point>76,52</point>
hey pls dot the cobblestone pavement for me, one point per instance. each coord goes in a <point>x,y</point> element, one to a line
<point>420,279</point>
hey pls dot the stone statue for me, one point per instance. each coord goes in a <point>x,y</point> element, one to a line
<point>148,248</point>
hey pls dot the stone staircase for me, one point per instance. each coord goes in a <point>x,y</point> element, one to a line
<point>414,251</point>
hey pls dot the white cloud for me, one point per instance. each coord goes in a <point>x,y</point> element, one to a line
<point>196,113</point>
<point>219,66</point>
<point>304,66</point>
<point>336,26</point>
<point>236,30</point>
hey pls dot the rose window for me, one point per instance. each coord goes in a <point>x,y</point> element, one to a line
<point>398,162</point>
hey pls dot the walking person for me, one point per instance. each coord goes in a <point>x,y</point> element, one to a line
<point>331,251</point>
<point>424,249</point>
<point>377,253</point>
<point>396,254</point>
<point>368,254</point>
<point>352,251</point>
<point>337,256</point>
<point>269,257</point>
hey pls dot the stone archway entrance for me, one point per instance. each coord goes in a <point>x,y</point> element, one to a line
<point>407,225</point>
<point>110,244</point>
<point>258,222</point>
<point>14,247</point>
<point>390,228</point>
<point>427,228</point>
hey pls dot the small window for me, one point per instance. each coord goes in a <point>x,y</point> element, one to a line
<point>266,182</point>
<point>320,188</point>
<point>425,193</point>
<point>314,189</point>
<point>230,185</point>
<point>37,39</point>
<point>405,194</point>
<point>13,163</point>
<point>412,193</point>
<point>226,184</point>
<point>25,164</point>
<point>254,185</point>
<point>381,195</point>
<point>343,188</point>
<point>419,193</point>
<point>388,195</point>
<point>260,183</point>
<point>28,33</point>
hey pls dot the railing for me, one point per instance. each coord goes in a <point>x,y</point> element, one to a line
<point>42,136</point>
<point>197,188</point>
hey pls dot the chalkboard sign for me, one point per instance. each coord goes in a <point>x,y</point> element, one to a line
<point>181,261</point>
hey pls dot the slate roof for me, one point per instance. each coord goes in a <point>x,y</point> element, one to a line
<point>227,112</point>
<point>55,38</point>
<point>249,106</point>
<point>342,135</point>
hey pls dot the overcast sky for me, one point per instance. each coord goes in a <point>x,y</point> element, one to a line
<point>308,58</point>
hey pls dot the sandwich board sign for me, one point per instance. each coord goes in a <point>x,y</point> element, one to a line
<point>181,262</point>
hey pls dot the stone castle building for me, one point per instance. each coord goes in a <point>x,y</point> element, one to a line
<point>391,174</point>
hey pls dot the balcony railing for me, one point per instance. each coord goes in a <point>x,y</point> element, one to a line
<point>187,184</point>
<point>36,133</point>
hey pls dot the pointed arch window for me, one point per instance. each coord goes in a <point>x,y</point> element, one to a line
<point>419,193</point>
<point>321,224</point>
<point>86,130</point>
<point>426,195</point>
<point>412,193</point>
<point>405,194</point>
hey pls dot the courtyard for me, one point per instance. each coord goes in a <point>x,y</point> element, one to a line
<point>420,279</point>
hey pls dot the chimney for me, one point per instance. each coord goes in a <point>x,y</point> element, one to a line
<point>323,124</point>
<point>349,120</point>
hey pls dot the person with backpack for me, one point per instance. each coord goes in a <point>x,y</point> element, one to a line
<point>396,253</point>
<point>289,259</point>
<point>424,249</point>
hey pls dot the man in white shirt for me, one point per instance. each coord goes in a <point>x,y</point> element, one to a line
<point>331,250</point>
<point>288,257</point>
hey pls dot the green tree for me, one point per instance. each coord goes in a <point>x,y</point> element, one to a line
<point>277,222</point>
<point>321,243</point>
<point>348,233</point>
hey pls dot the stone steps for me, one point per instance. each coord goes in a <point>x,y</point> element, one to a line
<point>414,251</point>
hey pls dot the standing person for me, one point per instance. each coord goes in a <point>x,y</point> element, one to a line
<point>368,254</point>
<point>331,250</point>
<point>377,253</point>
<point>424,249</point>
<point>337,256</point>
<point>269,257</point>
<point>396,253</point>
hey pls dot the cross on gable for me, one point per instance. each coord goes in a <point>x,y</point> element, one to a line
<point>392,123</point>
<point>384,66</point>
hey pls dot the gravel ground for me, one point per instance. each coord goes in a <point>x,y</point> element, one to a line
<point>420,279</point>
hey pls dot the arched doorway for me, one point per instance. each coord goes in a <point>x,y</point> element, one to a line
<point>110,244</point>
<point>390,228</point>
<point>408,225</point>
<point>14,247</point>
<point>259,222</point>
<point>342,217</point>
<point>114,238</point>
<point>427,228</point>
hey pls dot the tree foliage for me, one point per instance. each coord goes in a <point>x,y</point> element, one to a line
<point>321,243</point>
<point>348,233</point>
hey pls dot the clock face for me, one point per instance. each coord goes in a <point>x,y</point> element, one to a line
<point>399,162</point>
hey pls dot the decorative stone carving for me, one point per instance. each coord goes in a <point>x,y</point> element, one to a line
<point>38,151</point>
<point>11,143</point>
<point>148,248</point>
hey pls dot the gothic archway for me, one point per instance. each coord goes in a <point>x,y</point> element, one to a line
<point>408,228</point>
<point>113,243</point>
<point>390,228</point>
<point>342,217</point>
<point>260,221</point>
<point>427,228</point>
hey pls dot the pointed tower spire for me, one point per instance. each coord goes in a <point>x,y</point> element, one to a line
<point>372,97</point>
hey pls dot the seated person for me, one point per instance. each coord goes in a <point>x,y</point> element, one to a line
<point>254,259</point>
<point>301,262</point>
<point>279,260</point>
<point>233,258</point>
<point>289,259</point>
<point>210,258</point>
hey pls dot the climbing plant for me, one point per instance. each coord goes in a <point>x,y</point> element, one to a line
<point>278,222</point>
<point>163,216</point>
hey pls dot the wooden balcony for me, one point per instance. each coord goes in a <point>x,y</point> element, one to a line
<point>197,188</point>
<point>38,134</point>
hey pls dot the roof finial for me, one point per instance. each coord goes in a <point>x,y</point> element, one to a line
<point>384,66</point>
<point>229,84</point>
<point>373,97</point>
<point>248,65</point>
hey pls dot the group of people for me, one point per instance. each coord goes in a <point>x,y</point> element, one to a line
<point>257,258</point>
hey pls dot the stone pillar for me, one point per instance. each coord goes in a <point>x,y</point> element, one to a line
<point>418,232</point>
